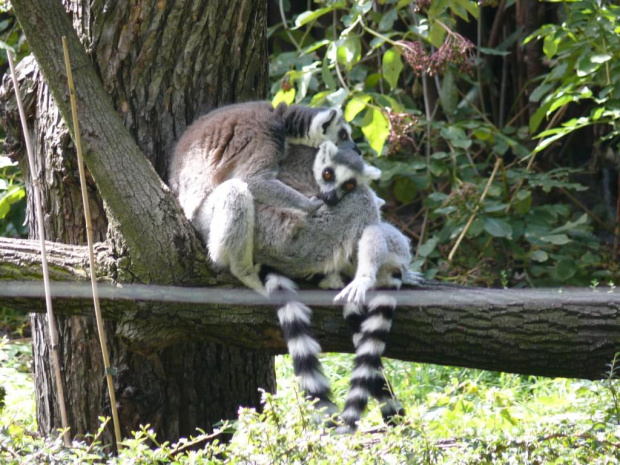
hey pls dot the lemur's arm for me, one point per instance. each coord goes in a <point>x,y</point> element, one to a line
<point>372,253</point>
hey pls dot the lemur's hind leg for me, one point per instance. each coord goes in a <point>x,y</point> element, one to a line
<point>226,223</point>
<point>370,330</point>
<point>304,349</point>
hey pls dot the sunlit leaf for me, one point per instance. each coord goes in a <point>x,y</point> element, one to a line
<point>391,66</point>
<point>376,128</point>
<point>286,96</point>
<point>355,105</point>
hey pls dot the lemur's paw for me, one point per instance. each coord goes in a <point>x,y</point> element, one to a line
<point>252,281</point>
<point>314,203</point>
<point>331,281</point>
<point>356,291</point>
<point>413,278</point>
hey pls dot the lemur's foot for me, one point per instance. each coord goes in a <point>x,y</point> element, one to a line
<point>251,279</point>
<point>356,291</point>
<point>413,278</point>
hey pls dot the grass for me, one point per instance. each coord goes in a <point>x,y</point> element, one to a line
<point>454,415</point>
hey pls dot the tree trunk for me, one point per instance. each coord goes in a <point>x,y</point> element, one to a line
<point>162,63</point>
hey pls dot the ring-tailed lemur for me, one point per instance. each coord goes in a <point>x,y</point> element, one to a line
<point>247,142</point>
<point>348,238</point>
<point>294,238</point>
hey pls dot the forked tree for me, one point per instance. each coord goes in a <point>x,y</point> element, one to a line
<point>161,64</point>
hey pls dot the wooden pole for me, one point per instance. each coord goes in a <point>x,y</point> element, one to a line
<point>36,190</point>
<point>109,371</point>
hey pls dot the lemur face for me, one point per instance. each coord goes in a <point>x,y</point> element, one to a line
<point>338,171</point>
<point>330,125</point>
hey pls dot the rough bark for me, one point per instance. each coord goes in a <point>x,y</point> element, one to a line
<point>156,65</point>
<point>573,333</point>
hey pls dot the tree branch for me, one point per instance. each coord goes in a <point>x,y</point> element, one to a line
<point>572,333</point>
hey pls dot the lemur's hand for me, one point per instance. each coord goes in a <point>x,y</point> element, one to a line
<point>356,291</point>
<point>314,204</point>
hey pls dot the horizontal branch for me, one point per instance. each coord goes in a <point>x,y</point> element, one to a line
<point>570,333</point>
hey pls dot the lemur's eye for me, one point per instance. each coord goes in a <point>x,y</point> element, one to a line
<point>328,174</point>
<point>349,185</point>
<point>343,134</point>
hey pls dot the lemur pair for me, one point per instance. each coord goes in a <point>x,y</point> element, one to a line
<point>271,187</point>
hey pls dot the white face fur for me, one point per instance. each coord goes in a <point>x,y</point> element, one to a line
<point>327,125</point>
<point>336,178</point>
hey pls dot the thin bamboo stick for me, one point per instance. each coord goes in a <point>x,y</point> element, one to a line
<point>91,254</point>
<point>498,162</point>
<point>36,188</point>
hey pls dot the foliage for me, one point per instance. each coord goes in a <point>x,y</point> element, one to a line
<point>584,51</point>
<point>379,60</point>
<point>12,191</point>
<point>12,200</point>
<point>455,416</point>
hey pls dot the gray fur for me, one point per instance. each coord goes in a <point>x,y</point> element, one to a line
<point>247,141</point>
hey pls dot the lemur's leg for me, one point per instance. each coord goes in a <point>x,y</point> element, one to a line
<point>372,253</point>
<point>226,222</point>
<point>274,192</point>
<point>304,349</point>
<point>370,330</point>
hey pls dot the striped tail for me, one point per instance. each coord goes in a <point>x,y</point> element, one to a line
<point>370,331</point>
<point>304,349</point>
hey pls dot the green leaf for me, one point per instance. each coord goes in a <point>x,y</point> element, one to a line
<point>391,67</point>
<point>437,34</point>
<point>427,248</point>
<point>13,195</point>
<point>286,96</point>
<point>449,95</point>
<point>602,58</point>
<point>523,202</point>
<point>566,268</point>
<point>539,256</point>
<point>326,74</point>
<point>376,129</point>
<point>349,51</point>
<point>405,190</point>
<point>555,239</point>
<point>497,227</point>
<point>550,46</point>
<point>355,105</point>
<point>493,51</point>
<point>309,16</point>
<point>387,21</point>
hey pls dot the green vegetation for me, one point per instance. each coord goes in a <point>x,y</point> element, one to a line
<point>471,146</point>
<point>454,416</point>
<point>447,121</point>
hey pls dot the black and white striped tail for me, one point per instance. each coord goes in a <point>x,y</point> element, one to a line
<point>370,330</point>
<point>294,320</point>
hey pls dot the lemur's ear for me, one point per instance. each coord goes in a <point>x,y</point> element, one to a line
<point>327,150</point>
<point>372,173</point>
<point>326,118</point>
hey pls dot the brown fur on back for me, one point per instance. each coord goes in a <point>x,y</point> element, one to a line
<point>245,138</point>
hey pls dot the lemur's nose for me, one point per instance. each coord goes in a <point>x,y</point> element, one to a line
<point>350,145</point>
<point>330,198</point>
